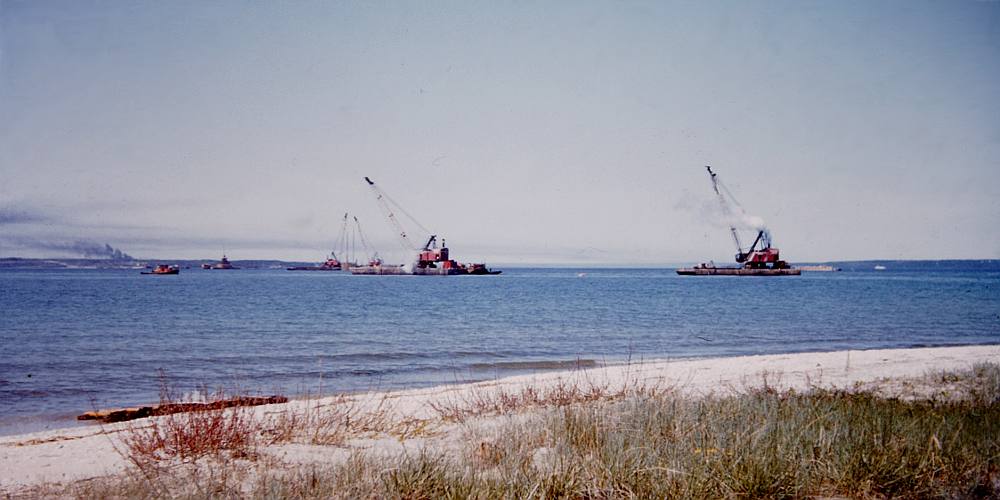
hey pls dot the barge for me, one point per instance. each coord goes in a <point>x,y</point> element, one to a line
<point>704,270</point>
<point>761,259</point>
<point>431,260</point>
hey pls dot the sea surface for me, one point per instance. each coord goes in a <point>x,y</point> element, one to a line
<point>77,340</point>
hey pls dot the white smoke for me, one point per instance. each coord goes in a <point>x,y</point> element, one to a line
<point>747,221</point>
<point>709,211</point>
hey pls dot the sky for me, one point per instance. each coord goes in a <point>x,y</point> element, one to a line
<point>523,132</point>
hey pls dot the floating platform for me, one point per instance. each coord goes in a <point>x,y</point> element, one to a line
<point>821,268</point>
<point>379,270</point>
<point>736,271</point>
<point>424,271</point>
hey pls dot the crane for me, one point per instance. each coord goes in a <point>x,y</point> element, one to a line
<point>753,258</point>
<point>341,243</point>
<point>387,205</point>
<point>370,251</point>
<point>429,255</point>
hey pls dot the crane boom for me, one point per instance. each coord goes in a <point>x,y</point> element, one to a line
<point>384,204</point>
<point>727,210</point>
<point>755,256</point>
<point>341,243</point>
<point>370,252</point>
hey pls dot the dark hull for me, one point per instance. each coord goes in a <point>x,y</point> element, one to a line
<point>437,271</point>
<point>736,271</point>
<point>427,271</point>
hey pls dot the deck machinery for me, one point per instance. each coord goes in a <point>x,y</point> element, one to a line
<point>431,259</point>
<point>760,259</point>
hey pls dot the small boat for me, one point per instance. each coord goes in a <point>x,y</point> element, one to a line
<point>163,269</point>
<point>880,268</point>
<point>479,269</point>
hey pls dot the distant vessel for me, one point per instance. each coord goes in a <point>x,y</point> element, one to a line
<point>163,269</point>
<point>331,264</point>
<point>222,264</point>
<point>376,267</point>
<point>431,260</point>
<point>345,243</point>
<point>764,261</point>
<point>819,268</point>
<point>880,268</point>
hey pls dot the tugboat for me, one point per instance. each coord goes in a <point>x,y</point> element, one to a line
<point>222,264</point>
<point>763,261</point>
<point>163,269</point>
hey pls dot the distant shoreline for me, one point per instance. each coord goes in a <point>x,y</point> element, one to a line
<point>28,263</point>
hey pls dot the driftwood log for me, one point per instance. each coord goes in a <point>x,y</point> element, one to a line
<point>123,414</point>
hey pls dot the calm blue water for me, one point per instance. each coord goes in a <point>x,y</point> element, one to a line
<point>74,340</point>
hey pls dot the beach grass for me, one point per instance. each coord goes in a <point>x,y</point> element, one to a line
<point>759,442</point>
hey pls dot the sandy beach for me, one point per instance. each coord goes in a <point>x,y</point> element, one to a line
<point>82,453</point>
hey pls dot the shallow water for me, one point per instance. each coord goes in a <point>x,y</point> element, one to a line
<point>75,340</point>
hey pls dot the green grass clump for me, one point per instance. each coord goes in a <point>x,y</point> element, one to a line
<point>762,444</point>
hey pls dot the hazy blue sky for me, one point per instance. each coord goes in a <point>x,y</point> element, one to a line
<point>521,131</point>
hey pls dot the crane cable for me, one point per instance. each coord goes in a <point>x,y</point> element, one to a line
<point>727,212</point>
<point>386,204</point>
<point>370,253</point>
<point>340,243</point>
<point>766,237</point>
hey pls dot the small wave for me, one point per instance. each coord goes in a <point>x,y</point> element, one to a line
<point>535,365</point>
<point>23,393</point>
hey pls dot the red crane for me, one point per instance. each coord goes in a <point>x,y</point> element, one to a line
<point>429,256</point>
<point>765,257</point>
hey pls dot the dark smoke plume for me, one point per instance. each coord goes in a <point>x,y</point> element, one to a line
<point>96,251</point>
<point>86,249</point>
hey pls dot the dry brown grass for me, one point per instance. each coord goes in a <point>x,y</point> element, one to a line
<point>330,421</point>
<point>496,400</point>
<point>587,441</point>
<point>333,421</point>
<point>193,434</point>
